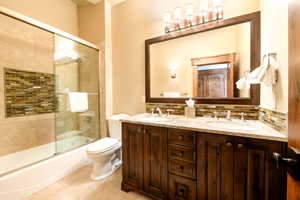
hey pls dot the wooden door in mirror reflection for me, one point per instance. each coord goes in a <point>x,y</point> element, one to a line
<point>214,76</point>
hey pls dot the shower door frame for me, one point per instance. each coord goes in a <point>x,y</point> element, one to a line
<point>55,31</point>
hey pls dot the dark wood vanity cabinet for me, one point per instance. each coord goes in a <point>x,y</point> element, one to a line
<point>233,168</point>
<point>174,164</point>
<point>145,160</point>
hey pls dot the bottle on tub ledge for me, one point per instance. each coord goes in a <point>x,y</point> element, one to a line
<point>190,110</point>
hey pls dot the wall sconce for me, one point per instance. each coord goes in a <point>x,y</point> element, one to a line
<point>173,69</point>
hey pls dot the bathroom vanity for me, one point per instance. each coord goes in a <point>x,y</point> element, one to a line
<point>202,158</point>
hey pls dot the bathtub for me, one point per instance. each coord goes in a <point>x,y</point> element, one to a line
<point>24,182</point>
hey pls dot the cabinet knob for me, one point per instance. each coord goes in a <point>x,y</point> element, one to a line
<point>181,154</point>
<point>180,137</point>
<point>139,130</point>
<point>229,144</point>
<point>240,146</point>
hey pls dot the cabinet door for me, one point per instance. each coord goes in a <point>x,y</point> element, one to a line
<point>215,167</point>
<point>240,169</point>
<point>132,141</point>
<point>265,181</point>
<point>155,161</point>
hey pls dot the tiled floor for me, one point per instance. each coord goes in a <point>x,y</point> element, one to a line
<point>79,186</point>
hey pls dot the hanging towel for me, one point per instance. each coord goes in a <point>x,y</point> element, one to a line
<point>78,101</point>
<point>243,84</point>
<point>257,76</point>
<point>171,94</point>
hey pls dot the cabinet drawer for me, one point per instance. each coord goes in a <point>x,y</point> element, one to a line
<point>181,137</point>
<point>181,153</point>
<point>181,188</point>
<point>182,168</point>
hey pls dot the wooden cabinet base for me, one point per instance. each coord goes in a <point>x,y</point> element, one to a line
<point>181,188</point>
<point>172,164</point>
<point>129,188</point>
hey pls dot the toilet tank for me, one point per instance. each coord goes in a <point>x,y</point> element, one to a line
<point>114,125</point>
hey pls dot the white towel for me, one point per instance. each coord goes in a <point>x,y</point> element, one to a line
<point>257,76</point>
<point>243,84</point>
<point>78,101</point>
<point>171,94</point>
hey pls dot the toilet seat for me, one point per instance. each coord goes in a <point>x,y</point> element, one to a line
<point>103,145</point>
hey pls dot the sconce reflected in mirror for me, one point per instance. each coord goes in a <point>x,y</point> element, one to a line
<point>173,69</point>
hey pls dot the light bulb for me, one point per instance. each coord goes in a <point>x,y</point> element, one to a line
<point>167,21</point>
<point>167,18</point>
<point>217,3</point>
<point>177,15</point>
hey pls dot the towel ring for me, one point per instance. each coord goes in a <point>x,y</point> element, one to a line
<point>268,56</point>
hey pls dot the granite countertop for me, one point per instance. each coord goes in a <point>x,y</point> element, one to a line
<point>249,128</point>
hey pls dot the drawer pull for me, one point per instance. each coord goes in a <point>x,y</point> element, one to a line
<point>181,168</point>
<point>180,137</point>
<point>240,146</point>
<point>229,144</point>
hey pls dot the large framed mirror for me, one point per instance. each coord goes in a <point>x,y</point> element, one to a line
<point>204,63</point>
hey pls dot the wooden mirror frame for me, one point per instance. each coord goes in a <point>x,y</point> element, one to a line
<point>253,18</point>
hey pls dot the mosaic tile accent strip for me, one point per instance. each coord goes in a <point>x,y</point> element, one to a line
<point>251,112</point>
<point>28,93</point>
<point>277,120</point>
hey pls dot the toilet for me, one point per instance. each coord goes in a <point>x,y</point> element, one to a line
<point>105,154</point>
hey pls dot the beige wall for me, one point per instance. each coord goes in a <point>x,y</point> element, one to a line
<point>91,20</point>
<point>275,39</point>
<point>92,23</point>
<point>29,50</point>
<point>182,50</point>
<point>133,21</point>
<point>61,14</point>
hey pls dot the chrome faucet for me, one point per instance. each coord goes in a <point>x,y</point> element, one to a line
<point>216,115</point>
<point>160,113</point>
<point>228,117</point>
<point>243,116</point>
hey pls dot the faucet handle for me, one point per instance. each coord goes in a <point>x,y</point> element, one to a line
<point>228,115</point>
<point>169,111</point>
<point>216,115</point>
<point>152,111</point>
<point>243,116</point>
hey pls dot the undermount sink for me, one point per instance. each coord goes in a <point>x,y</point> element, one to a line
<point>235,125</point>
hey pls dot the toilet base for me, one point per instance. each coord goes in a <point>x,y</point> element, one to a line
<point>106,171</point>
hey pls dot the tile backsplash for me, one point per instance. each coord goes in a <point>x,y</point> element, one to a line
<point>28,93</point>
<point>276,120</point>
<point>251,112</point>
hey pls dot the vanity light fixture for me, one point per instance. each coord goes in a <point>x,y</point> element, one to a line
<point>209,10</point>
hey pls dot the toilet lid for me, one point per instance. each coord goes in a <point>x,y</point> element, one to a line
<point>102,145</point>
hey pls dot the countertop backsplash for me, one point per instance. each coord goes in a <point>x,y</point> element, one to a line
<point>276,120</point>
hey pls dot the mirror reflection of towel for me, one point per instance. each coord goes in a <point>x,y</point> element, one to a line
<point>78,101</point>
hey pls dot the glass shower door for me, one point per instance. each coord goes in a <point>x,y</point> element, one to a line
<point>77,91</point>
